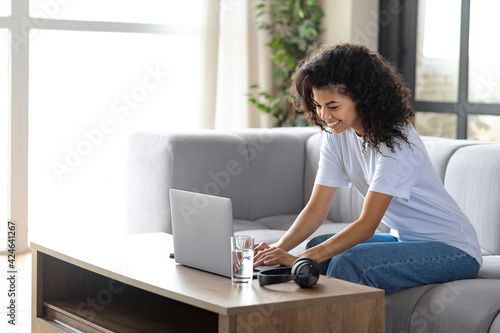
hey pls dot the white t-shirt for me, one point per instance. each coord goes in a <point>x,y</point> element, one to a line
<point>421,208</point>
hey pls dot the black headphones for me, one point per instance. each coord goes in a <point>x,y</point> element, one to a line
<point>305,273</point>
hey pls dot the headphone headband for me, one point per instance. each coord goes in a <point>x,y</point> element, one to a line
<point>305,273</point>
<point>274,276</point>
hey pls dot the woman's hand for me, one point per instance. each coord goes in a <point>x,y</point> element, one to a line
<point>259,247</point>
<point>273,256</point>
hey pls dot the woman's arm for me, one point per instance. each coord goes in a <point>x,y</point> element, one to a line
<point>364,227</point>
<point>308,221</point>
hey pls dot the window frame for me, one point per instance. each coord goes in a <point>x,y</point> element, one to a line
<point>19,24</point>
<point>398,43</point>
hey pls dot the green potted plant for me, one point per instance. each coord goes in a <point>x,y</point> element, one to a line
<point>294,27</point>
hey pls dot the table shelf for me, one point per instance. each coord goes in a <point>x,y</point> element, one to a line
<point>91,302</point>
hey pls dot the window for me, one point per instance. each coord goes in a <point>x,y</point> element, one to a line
<point>103,87</point>
<point>484,70</point>
<point>445,51</point>
<point>438,48</point>
<point>98,72</point>
<point>436,124</point>
<point>4,8</point>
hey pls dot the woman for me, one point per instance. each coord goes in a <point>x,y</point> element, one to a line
<point>361,103</point>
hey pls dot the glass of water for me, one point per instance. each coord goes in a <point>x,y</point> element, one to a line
<point>242,260</point>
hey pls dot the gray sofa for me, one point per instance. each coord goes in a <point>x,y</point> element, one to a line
<point>269,175</point>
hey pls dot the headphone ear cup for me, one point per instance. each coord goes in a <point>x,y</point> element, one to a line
<point>307,272</point>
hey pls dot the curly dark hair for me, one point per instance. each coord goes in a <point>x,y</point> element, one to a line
<point>371,81</point>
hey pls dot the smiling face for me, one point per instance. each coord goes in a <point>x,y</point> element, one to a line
<point>337,110</point>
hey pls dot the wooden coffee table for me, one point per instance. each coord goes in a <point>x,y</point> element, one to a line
<point>129,284</point>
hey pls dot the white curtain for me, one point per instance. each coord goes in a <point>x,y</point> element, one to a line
<point>235,58</point>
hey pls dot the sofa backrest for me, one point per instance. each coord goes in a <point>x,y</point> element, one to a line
<point>440,151</point>
<point>261,170</point>
<point>470,171</point>
<point>275,182</point>
<point>347,203</point>
<point>269,172</point>
<point>473,180</point>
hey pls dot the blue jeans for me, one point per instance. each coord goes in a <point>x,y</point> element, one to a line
<point>383,262</point>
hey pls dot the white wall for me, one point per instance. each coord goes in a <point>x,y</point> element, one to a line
<point>351,21</point>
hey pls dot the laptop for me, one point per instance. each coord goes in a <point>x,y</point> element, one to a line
<point>202,226</point>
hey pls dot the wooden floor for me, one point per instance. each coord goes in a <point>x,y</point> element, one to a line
<point>23,294</point>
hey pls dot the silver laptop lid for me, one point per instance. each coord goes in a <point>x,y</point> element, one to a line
<point>202,226</point>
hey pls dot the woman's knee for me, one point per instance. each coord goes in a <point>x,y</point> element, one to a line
<point>345,266</point>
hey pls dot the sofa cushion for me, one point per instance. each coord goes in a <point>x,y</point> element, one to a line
<point>495,326</point>
<point>473,180</point>
<point>276,171</point>
<point>280,222</point>
<point>485,253</point>
<point>462,306</point>
<point>263,235</point>
<point>399,307</point>
<point>347,203</point>
<point>420,309</point>
<point>490,269</point>
<point>440,151</point>
<point>313,145</point>
<point>271,236</point>
<point>242,225</point>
